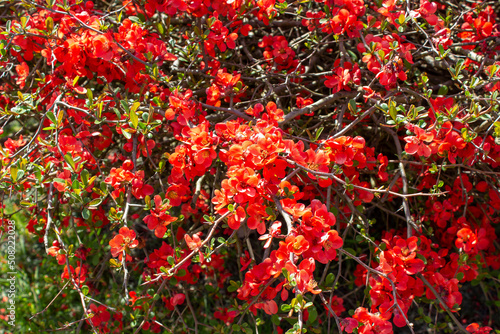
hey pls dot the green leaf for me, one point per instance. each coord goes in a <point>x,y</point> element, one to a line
<point>49,23</point>
<point>75,80</point>
<point>313,314</point>
<point>286,307</point>
<point>443,90</point>
<point>392,110</point>
<point>95,202</point>
<point>86,213</point>
<point>421,257</point>
<point>401,19</point>
<point>351,251</point>
<point>161,29</point>
<point>76,185</point>
<point>13,173</point>
<point>329,279</point>
<point>381,54</point>
<point>85,177</point>
<point>52,117</point>
<point>24,20</point>
<point>125,106</point>
<point>134,119</point>
<point>26,204</point>
<point>269,211</point>
<point>300,300</point>
<point>90,96</point>
<point>318,133</point>
<point>352,106</point>
<point>85,290</point>
<point>135,106</point>
<point>69,160</point>
<point>126,134</point>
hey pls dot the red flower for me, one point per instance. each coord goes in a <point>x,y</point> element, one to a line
<point>178,299</point>
<point>119,177</point>
<point>296,244</point>
<point>269,306</point>
<point>348,324</point>
<point>64,175</point>
<point>343,77</point>
<point>469,242</point>
<point>54,251</point>
<point>159,218</point>
<point>256,213</point>
<point>274,231</point>
<point>371,323</point>
<point>451,145</point>
<point>22,70</point>
<point>303,276</point>
<point>13,145</point>
<point>419,143</point>
<point>343,150</point>
<point>264,151</point>
<point>79,274</point>
<point>102,46</point>
<point>282,51</point>
<point>175,194</point>
<point>123,241</point>
<point>337,306</point>
<point>476,329</point>
<point>234,220</point>
<point>100,315</point>
<point>318,161</point>
<point>427,10</point>
<point>194,243</point>
<point>447,289</point>
<point>405,255</point>
<point>245,261</point>
<point>391,72</point>
<point>330,242</point>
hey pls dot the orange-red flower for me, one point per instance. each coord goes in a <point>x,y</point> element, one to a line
<point>297,244</point>
<point>79,274</point>
<point>419,144</point>
<point>451,145</point>
<point>303,276</point>
<point>194,243</point>
<point>22,71</point>
<point>123,241</point>
<point>159,218</point>
<point>54,251</point>
<point>330,242</point>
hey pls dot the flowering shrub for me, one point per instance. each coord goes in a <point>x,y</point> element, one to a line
<point>251,165</point>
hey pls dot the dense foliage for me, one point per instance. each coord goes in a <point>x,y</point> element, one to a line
<point>256,166</point>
